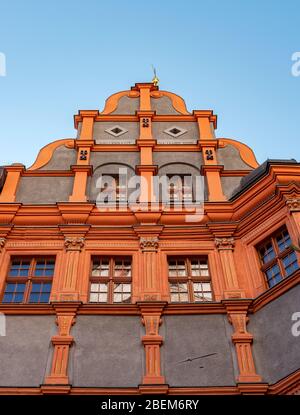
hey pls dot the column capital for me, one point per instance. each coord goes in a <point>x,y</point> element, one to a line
<point>293,204</point>
<point>149,244</point>
<point>2,243</point>
<point>74,243</point>
<point>225,243</point>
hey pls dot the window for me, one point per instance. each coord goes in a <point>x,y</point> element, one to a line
<point>278,259</point>
<point>29,280</point>
<point>116,190</point>
<point>180,188</point>
<point>189,280</point>
<point>111,280</point>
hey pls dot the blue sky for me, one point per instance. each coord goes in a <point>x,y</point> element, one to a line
<point>231,56</point>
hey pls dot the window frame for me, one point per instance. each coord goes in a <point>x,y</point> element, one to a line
<point>190,279</point>
<point>29,279</point>
<point>111,279</point>
<point>278,258</point>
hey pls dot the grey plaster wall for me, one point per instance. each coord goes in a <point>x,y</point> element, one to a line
<point>62,159</point>
<point>127,105</point>
<point>230,157</point>
<point>26,350</point>
<point>229,184</point>
<point>193,336</point>
<point>191,136</point>
<point>131,158</point>
<point>44,189</point>
<point>276,351</point>
<point>161,158</point>
<point>108,351</point>
<point>100,135</point>
<point>163,105</point>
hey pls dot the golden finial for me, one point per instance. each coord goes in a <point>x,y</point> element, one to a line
<point>155,79</point>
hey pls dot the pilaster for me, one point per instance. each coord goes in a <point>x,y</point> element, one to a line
<point>237,315</point>
<point>152,341</point>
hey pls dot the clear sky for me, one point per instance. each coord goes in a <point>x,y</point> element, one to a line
<point>232,56</point>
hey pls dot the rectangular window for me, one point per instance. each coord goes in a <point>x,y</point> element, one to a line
<point>278,259</point>
<point>180,188</point>
<point>29,280</point>
<point>189,280</point>
<point>110,280</point>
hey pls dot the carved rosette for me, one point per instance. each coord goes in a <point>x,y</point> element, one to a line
<point>2,243</point>
<point>225,243</point>
<point>293,204</point>
<point>149,244</point>
<point>74,243</point>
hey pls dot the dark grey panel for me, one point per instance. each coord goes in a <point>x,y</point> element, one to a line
<point>62,159</point>
<point>131,158</point>
<point>44,189</point>
<point>103,137</point>
<point>230,157</point>
<point>191,136</point>
<point>194,336</point>
<point>26,350</point>
<point>163,105</point>
<point>160,158</point>
<point>127,105</point>
<point>229,184</point>
<point>276,351</point>
<point>108,351</point>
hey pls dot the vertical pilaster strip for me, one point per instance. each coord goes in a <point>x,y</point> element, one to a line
<point>208,145</point>
<point>152,341</point>
<point>146,142</point>
<point>293,205</point>
<point>73,247</point>
<point>14,172</point>
<point>242,339</point>
<point>225,247</point>
<point>83,145</point>
<point>65,318</point>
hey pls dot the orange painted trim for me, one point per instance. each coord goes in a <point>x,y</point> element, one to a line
<point>177,102</point>
<point>112,102</point>
<point>45,154</point>
<point>234,173</point>
<point>246,153</point>
<point>48,173</point>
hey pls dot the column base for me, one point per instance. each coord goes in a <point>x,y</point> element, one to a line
<point>249,378</point>
<point>153,380</point>
<point>154,389</point>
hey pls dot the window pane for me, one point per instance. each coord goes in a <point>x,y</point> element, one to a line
<point>122,268</point>
<point>34,298</point>
<point>177,268</point>
<point>267,253</point>
<point>14,293</point>
<point>283,240</point>
<point>19,268</point>
<point>290,263</point>
<point>122,293</point>
<point>100,268</point>
<point>273,275</point>
<point>45,298</point>
<point>8,297</point>
<point>93,297</point>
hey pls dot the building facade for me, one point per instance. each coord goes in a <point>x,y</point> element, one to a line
<point>192,287</point>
